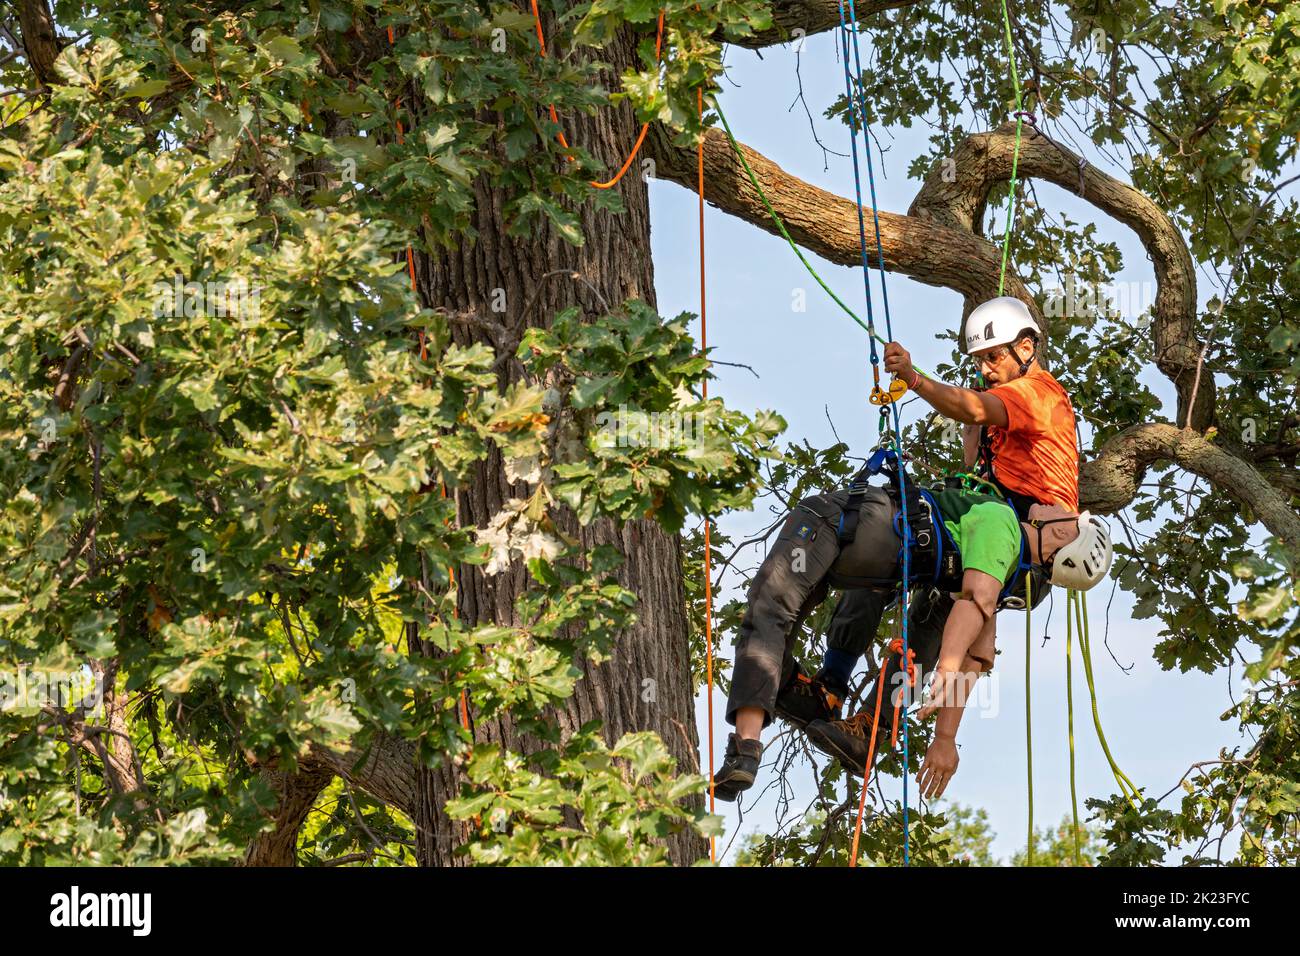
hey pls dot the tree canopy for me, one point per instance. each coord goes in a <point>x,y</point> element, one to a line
<point>237,430</point>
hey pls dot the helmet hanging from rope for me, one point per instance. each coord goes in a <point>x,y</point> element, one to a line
<point>1082,563</point>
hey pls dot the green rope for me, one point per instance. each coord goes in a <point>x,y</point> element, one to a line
<point>786,235</point>
<point>974,482</point>
<point>1069,712</point>
<point>1029,723</point>
<point>1015,155</point>
<point>1081,614</point>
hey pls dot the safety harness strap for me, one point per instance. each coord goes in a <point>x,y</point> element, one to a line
<point>936,558</point>
<point>848,526</point>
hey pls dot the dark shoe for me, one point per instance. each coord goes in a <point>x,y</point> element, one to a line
<point>738,769</point>
<point>846,740</point>
<point>805,699</point>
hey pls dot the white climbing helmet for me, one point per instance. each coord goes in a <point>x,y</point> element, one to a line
<point>997,322</point>
<point>1081,564</point>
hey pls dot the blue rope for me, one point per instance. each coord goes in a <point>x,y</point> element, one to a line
<point>857,185</point>
<point>871,175</point>
<point>857,105</point>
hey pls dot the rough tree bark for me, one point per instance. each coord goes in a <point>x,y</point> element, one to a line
<point>40,41</point>
<point>540,275</point>
<point>938,242</point>
<point>297,794</point>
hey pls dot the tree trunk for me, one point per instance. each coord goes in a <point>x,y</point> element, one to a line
<point>535,275</point>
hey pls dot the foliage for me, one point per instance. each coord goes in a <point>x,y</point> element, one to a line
<point>1055,846</point>
<point>228,511</point>
<point>223,449</point>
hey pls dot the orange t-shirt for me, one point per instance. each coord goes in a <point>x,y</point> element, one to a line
<point>1035,454</point>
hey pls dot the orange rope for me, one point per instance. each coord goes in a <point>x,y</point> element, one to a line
<point>708,570</point>
<point>636,147</point>
<point>424,354</point>
<point>895,647</point>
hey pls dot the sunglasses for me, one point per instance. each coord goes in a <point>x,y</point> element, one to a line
<point>991,358</point>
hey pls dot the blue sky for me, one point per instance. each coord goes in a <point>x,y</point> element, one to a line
<point>1157,723</point>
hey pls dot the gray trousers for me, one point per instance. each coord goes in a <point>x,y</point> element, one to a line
<point>857,618</point>
<point>801,566</point>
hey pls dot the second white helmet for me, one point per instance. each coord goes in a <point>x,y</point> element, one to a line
<point>1083,563</point>
<point>997,322</point>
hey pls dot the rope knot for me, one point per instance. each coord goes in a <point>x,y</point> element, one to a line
<point>896,647</point>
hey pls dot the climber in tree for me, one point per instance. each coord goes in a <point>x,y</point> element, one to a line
<point>986,554</point>
<point>1018,433</point>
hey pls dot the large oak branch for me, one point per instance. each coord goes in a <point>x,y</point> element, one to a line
<point>387,773</point>
<point>983,162</point>
<point>827,224</point>
<point>1110,481</point>
<point>811,16</point>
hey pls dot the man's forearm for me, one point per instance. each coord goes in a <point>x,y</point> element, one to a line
<point>961,404</point>
<point>960,632</point>
<point>949,718</point>
<point>970,445</point>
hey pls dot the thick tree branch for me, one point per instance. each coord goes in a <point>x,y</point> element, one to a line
<point>297,795</point>
<point>983,162</point>
<point>827,224</point>
<point>811,16</point>
<point>1110,481</point>
<point>387,773</point>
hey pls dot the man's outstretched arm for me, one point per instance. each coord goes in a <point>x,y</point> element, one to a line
<point>963,405</point>
<point>971,618</point>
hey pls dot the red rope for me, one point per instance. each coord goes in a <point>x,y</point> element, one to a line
<point>895,647</point>
<point>708,570</point>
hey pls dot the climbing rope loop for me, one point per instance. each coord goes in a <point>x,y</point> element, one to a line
<point>636,147</point>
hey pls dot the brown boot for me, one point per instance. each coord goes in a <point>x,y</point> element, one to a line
<point>805,699</point>
<point>846,740</point>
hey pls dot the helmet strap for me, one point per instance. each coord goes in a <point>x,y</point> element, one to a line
<point>1024,364</point>
<point>1038,524</point>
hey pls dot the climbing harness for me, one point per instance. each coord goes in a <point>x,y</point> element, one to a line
<point>936,560</point>
<point>636,147</point>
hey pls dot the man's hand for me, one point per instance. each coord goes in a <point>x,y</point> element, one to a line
<point>940,764</point>
<point>898,362</point>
